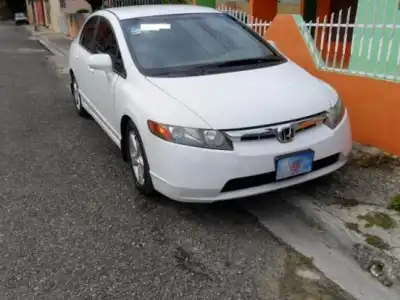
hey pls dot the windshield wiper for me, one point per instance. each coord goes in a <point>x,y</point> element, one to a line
<point>205,68</point>
<point>246,61</point>
<point>202,69</point>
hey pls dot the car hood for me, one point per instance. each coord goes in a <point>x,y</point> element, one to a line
<point>251,98</point>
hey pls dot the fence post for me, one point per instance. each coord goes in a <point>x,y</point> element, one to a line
<point>263,9</point>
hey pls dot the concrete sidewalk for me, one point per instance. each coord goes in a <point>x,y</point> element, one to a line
<point>55,42</point>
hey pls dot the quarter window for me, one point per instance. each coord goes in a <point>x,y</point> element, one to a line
<point>87,35</point>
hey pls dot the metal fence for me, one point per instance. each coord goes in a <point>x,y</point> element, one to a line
<point>368,46</point>
<point>258,25</point>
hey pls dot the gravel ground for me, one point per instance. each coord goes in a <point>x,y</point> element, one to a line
<point>72,225</point>
<point>370,177</point>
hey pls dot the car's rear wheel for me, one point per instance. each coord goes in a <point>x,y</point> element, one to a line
<point>138,159</point>
<point>78,99</point>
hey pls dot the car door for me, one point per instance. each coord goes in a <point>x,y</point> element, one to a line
<point>82,72</point>
<point>104,83</point>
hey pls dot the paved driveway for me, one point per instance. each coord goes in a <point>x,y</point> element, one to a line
<point>72,225</point>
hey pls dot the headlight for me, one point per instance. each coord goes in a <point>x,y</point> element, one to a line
<point>202,138</point>
<point>335,114</point>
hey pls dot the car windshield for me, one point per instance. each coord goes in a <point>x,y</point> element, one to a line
<point>178,43</point>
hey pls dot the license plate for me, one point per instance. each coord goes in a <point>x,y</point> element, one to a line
<point>294,164</point>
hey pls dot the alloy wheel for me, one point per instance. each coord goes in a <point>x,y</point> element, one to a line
<point>77,96</point>
<point>137,158</point>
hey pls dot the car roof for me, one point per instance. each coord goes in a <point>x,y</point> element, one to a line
<point>130,12</point>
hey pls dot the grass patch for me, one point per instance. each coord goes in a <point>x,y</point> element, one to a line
<point>378,219</point>
<point>306,261</point>
<point>376,242</point>
<point>353,226</point>
<point>368,160</point>
<point>395,203</point>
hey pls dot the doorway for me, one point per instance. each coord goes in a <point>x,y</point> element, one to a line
<point>310,10</point>
<point>343,5</point>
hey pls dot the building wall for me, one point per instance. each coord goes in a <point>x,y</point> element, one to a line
<point>39,12</point>
<point>366,60</point>
<point>71,6</point>
<point>323,9</point>
<point>60,11</point>
<point>46,5</point>
<point>55,12</point>
<point>29,12</point>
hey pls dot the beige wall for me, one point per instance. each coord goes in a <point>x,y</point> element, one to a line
<point>55,14</point>
<point>29,12</point>
<point>71,6</point>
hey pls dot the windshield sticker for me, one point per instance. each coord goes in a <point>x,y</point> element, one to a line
<point>155,27</point>
<point>135,31</point>
<point>150,27</point>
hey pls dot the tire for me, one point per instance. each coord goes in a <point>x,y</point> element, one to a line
<point>138,160</point>
<point>81,111</point>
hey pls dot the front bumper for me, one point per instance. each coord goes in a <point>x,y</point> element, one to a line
<point>191,174</point>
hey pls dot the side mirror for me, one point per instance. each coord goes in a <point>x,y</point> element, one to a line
<point>273,44</point>
<point>101,62</point>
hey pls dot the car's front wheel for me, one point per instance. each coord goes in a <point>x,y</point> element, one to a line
<point>78,99</point>
<point>138,160</point>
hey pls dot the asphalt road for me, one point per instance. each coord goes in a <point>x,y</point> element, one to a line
<point>72,225</point>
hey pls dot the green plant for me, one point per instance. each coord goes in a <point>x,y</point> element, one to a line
<point>353,226</point>
<point>378,219</point>
<point>376,242</point>
<point>395,203</point>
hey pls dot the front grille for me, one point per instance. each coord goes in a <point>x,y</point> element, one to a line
<point>266,178</point>
<point>270,131</point>
<point>271,134</point>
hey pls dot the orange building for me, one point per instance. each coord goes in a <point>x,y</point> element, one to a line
<point>309,9</point>
<point>313,9</point>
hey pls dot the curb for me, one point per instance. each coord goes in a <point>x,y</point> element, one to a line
<point>301,225</point>
<point>348,241</point>
<point>316,214</point>
<point>49,46</point>
<point>45,42</point>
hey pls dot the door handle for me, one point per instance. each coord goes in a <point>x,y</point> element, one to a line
<point>90,69</point>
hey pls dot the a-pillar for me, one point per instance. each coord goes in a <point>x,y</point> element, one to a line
<point>209,3</point>
<point>266,10</point>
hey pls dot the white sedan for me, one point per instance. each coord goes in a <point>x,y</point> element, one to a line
<point>202,107</point>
